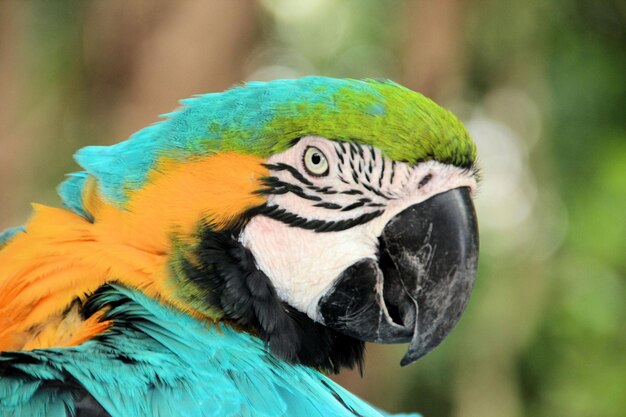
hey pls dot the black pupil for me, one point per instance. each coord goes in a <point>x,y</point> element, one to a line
<point>316,158</point>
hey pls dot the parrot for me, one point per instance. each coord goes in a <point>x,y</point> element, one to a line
<point>228,259</point>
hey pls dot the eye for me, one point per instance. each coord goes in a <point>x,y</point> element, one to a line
<point>315,162</point>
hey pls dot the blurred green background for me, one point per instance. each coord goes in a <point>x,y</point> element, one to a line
<point>540,84</point>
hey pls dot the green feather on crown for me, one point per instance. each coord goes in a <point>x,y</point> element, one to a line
<point>264,118</point>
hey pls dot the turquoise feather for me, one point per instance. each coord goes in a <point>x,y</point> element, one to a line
<point>71,193</point>
<point>8,234</point>
<point>156,361</point>
<point>263,118</point>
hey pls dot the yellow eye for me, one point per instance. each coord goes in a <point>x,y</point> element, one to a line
<point>315,162</point>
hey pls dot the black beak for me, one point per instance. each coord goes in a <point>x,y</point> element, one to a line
<point>418,288</point>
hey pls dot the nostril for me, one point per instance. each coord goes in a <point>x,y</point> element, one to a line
<point>394,295</point>
<point>394,313</point>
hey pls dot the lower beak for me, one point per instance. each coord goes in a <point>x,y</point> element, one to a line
<point>421,282</point>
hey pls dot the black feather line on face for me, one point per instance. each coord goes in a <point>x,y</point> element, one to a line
<point>382,173</point>
<point>320,226</point>
<point>275,186</point>
<point>226,271</point>
<point>323,190</point>
<point>330,206</point>
<point>294,172</point>
<point>352,192</point>
<point>353,206</point>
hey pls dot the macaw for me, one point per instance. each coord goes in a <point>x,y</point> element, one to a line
<point>223,261</point>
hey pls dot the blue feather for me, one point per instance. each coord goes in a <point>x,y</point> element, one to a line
<point>10,233</point>
<point>70,191</point>
<point>156,361</point>
<point>198,128</point>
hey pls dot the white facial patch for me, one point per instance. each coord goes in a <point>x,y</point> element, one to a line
<point>360,193</point>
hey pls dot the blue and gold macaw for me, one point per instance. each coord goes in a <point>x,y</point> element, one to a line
<point>222,261</point>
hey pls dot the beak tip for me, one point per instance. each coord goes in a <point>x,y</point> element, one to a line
<point>418,348</point>
<point>410,357</point>
<point>405,361</point>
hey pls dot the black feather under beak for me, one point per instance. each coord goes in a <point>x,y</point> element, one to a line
<point>421,282</point>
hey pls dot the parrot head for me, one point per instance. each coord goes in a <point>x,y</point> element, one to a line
<point>316,213</point>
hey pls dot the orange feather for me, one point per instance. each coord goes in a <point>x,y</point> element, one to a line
<point>62,256</point>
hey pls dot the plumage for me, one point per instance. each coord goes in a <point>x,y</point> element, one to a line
<point>262,119</point>
<point>186,272</point>
<point>156,361</point>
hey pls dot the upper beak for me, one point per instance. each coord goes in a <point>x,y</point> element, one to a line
<point>420,284</point>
